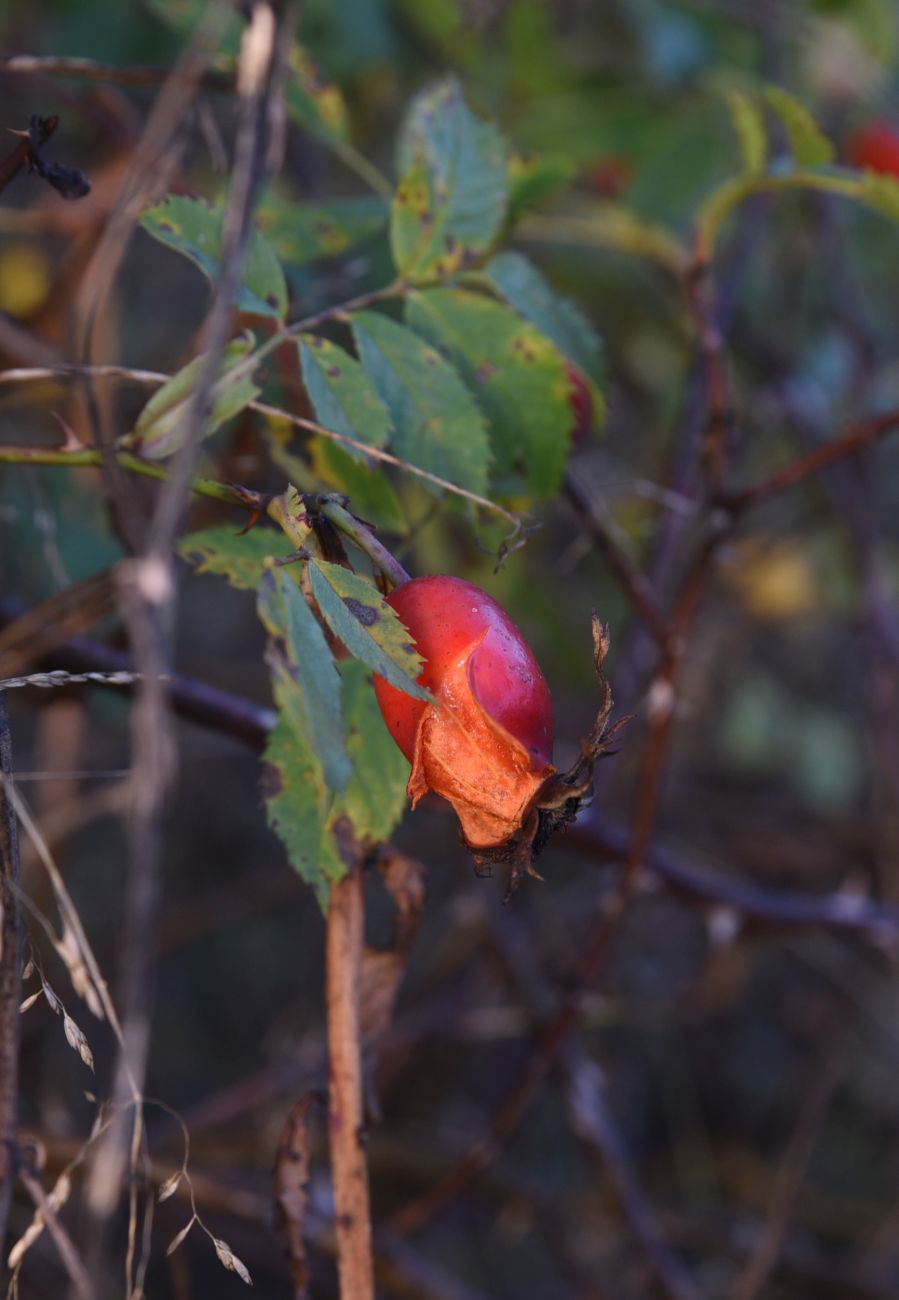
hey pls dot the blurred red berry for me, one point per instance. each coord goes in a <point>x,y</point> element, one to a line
<point>609,177</point>
<point>875,148</point>
<point>580,399</point>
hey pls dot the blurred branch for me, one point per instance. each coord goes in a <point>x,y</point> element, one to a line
<point>593,1122</point>
<point>92,70</point>
<point>838,911</point>
<point>855,438</point>
<point>813,1111</point>
<point>592,516</point>
<point>46,1216</point>
<point>10,974</point>
<point>193,699</point>
<point>93,458</point>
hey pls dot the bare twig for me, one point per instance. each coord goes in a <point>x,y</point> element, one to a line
<point>345,1119</point>
<point>198,701</point>
<point>58,456</point>
<point>836,911</point>
<point>47,1217</point>
<point>292,1191</point>
<point>640,593</point>
<point>10,974</point>
<point>762,1261</point>
<point>593,1123</point>
<point>854,439</point>
<point>92,70</point>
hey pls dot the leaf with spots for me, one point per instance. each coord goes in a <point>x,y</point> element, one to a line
<point>193,227</point>
<point>161,427</point>
<point>304,232</point>
<point>238,557</point>
<point>437,423</point>
<point>344,397</point>
<point>304,676</point>
<point>518,374</point>
<point>297,810</point>
<point>312,100</point>
<point>366,625</point>
<point>452,199</point>
<point>375,798</point>
<point>522,286</point>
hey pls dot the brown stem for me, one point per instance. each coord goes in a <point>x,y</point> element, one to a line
<point>10,975</point>
<point>853,439</point>
<point>351,1205</point>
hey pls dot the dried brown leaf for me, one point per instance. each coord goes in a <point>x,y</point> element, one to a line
<point>406,882</point>
<point>379,983</point>
<point>170,1186</point>
<point>291,1191</point>
<point>179,1236</point>
<point>230,1260</point>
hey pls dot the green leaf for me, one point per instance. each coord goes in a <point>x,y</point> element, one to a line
<point>375,798</point>
<point>452,200</point>
<point>518,374</point>
<point>531,178</point>
<point>238,557</point>
<point>312,100</point>
<point>342,394</point>
<point>162,425</point>
<point>304,232</point>
<point>193,227</point>
<point>371,494</point>
<point>809,144</point>
<point>366,625</point>
<point>307,687</point>
<point>437,424</point>
<point>370,491</point>
<point>517,280</point>
<point>749,127</point>
<point>296,811</point>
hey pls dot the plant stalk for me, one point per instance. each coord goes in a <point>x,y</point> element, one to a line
<point>345,1118</point>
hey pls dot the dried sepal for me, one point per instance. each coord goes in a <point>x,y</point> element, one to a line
<point>563,794</point>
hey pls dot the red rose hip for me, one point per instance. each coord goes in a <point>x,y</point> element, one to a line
<point>485,744</point>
